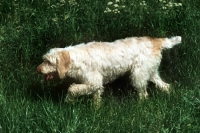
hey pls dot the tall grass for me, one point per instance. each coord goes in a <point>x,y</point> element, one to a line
<point>29,28</point>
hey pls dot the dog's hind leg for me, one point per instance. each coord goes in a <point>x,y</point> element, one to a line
<point>97,97</point>
<point>155,78</point>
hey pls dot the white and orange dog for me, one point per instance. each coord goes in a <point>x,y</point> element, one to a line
<point>97,63</point>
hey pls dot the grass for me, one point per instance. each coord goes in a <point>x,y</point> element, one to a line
<point>29,28</point>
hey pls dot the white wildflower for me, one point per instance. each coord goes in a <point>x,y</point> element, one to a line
<point>175,4</point>
<point>62,1</point>
<point>170,4</point>
<point>107,10</point>
<point>179,4</point>
<point>143,3</point>
<point>110,3</point>
<point>116,5</point>
<point>115,9</point>
<point>54,19</point>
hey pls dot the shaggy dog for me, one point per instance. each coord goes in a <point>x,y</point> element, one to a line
<point>97,63</point>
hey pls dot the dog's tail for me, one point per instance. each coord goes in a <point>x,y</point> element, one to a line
<point>170,42</point>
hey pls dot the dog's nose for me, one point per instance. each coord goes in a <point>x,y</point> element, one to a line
<point>38,69</point>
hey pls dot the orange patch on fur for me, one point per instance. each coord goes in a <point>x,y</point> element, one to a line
<point>63,63</point>
<point>157,45</point>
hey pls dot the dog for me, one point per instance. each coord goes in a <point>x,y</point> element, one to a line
<point>97,63</point>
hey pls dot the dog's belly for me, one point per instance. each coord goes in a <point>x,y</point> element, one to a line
<point>110,75</point>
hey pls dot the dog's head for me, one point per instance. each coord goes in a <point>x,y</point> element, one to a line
<point>56,62</point>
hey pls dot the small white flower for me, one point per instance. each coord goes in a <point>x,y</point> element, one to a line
<point>54,19</point>
<point>115,10</point>
<point>143,3</point>
<point>62,1</point>
<point>123,6</point>
<point>179,4</point>
<point>107,9</point>
<point>164,7</point>
<point>116,5</point>
<point>109,3</point>
<point>170,4</point>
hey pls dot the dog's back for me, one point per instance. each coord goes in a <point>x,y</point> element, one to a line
<point>113,59</point>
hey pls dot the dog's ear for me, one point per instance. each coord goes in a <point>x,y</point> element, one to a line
<point>62,63</point>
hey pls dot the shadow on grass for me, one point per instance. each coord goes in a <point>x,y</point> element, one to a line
<point>56,90</point>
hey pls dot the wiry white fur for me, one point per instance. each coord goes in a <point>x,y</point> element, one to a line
<point>97,63</point>
<point>171,42</point>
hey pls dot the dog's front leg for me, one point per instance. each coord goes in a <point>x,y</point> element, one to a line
<point>76,90</point>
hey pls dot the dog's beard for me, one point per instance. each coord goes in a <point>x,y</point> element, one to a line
<point>50,75</point>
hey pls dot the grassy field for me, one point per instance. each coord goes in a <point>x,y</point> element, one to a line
<point>28,104</point>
